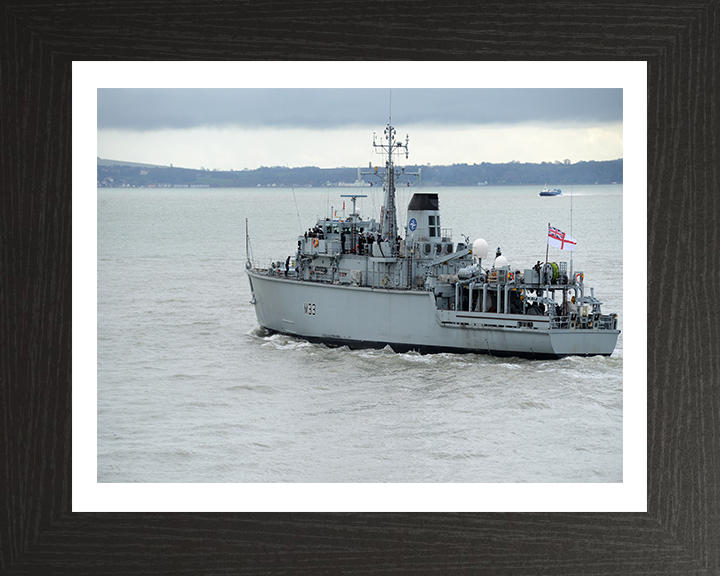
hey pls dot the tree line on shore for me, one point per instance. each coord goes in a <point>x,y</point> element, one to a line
<point>555,174</point>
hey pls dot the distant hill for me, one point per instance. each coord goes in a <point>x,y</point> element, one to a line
<point>112,173</point>
<point>103,162</point>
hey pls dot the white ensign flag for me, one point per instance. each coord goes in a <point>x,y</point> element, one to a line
<point>558,239</point>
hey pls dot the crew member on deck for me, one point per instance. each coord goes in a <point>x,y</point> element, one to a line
<point>572,305</point>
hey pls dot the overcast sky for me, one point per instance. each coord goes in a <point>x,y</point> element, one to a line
<point>248,128</point>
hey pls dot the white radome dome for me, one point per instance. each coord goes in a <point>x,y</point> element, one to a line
<point>500,261</point>
<point>480,248</point>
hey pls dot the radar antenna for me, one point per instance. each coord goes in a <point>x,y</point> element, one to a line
<point>389,226</point>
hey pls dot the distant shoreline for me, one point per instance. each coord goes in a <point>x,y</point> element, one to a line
<point>348,189</point>
<point>556,174</point>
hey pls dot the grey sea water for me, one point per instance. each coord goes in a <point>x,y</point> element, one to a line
<point>190,389</point>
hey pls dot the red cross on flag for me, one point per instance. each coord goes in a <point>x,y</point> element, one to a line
<point>558,239</point>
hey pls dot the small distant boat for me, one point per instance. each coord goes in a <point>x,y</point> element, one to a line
<point>548,192</point>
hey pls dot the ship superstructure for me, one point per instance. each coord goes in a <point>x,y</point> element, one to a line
<point>360,282</point>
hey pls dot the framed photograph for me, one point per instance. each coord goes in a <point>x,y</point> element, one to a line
<point>656,513</point>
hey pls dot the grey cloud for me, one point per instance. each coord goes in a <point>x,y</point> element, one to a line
<point>153,109</point>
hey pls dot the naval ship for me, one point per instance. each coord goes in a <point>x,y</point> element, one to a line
<point>363,283</point>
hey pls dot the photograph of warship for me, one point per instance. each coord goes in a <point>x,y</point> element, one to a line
<point>360,283</point>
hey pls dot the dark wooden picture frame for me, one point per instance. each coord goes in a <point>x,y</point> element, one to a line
<point>679,534</point>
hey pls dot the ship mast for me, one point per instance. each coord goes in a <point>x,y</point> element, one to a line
<point>389,228</point>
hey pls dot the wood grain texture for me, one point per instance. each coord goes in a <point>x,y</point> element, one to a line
<point>680,532</point>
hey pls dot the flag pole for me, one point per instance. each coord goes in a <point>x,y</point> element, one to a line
<point>571,260</point>
<point>547,244</point>
<point>547,247</point>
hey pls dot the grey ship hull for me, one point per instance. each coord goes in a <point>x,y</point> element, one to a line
<point>362,283</point>
<point>371,317</point>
